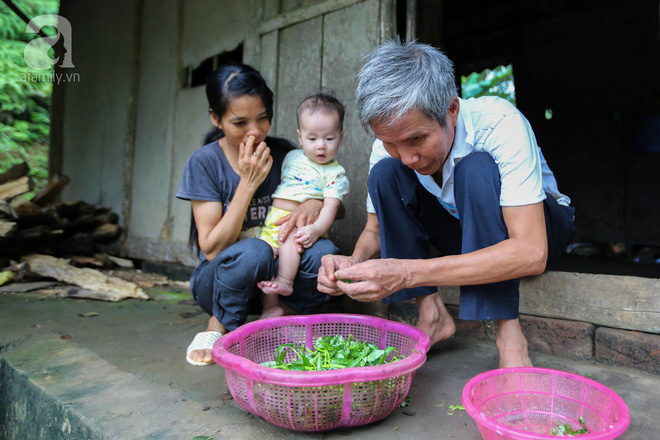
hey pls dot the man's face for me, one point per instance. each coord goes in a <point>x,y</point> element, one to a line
<point>421,143</point>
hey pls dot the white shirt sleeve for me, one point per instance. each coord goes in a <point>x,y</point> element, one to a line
<point>378,153</point>
<point>512,145</point>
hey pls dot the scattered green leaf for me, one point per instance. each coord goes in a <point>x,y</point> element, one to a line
<point>566,429</point>
<point>5,276</point>
<point>455,407</point>
<point>405,402</point>
<point>202,437</point>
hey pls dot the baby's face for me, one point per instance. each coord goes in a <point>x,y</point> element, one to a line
<point>319,135</point>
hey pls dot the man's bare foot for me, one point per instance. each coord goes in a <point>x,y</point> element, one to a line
<point>512,344</point>
<point>206,356</point>
<point>278,286</point>
<point>434,319</point>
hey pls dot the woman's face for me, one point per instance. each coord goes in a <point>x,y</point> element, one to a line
<point>245,116</point>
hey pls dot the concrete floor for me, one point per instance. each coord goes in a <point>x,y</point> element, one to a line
<point>122,375</point>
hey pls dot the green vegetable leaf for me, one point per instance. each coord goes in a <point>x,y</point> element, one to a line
<point>566,429</point>
<point>343,280</point>
<point>330,353</point>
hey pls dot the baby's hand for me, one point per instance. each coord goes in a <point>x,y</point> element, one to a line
<point>307,236</point>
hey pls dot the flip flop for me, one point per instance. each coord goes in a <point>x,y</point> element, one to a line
<point>202,341</point>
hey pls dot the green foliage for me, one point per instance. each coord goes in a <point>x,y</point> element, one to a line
<point>25,95</point>
<point>496,82</point>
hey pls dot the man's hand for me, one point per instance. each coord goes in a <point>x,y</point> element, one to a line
<point>327,282</point>
<point>372,280</point>
<point>305,214</point>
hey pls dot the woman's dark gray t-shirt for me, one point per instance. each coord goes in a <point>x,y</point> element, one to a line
<point>208,176</point>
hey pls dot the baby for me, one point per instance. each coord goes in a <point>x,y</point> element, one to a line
<point>310,172</point>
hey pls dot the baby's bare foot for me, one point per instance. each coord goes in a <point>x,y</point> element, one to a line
<point>275,287</point>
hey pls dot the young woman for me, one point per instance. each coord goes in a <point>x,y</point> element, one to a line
<point>229,182</point>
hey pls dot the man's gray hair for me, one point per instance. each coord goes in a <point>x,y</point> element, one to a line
<point>400,77</point>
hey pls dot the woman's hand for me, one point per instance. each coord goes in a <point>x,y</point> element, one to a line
<point>306,213</point>
<point>254,164</point>
<point>372,280</point>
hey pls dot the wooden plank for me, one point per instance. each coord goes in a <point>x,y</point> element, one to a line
<point>268,66</point>
<point>252,42</point>
<point>49,193</point>
<point>303,14</point>
<point>387,20</point>
<point>6,228</point>
<point>25,208</point>
<point>616,301</point>
<point>348,35</point>
<point>107,232</point>
<point>112,288</point>
<point>299,72</point>
<point>111,260</point>
<point>411,20</point>
<point>271,8</point>
<point>7,212</point>
<point>17,171</point>
<point>161,250</point>
<point>28,287</point>
<point>16,187</point>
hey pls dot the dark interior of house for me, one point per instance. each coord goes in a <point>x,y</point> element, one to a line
<point>587,77</point>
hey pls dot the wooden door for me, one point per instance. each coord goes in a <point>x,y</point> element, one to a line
<point>302,45</point>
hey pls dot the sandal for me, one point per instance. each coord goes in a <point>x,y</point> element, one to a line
<point>202,341</point>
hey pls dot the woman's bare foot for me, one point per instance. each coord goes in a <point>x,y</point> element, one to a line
<point>278,286</point>
<point>512,344</point>
<point>206,356</point>
<point>434,319</point>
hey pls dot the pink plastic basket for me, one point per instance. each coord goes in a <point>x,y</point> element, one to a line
<point>526,403</point>
<point>319,400</point>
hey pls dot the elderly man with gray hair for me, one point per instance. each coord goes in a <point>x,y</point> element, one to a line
<point>464,176</point>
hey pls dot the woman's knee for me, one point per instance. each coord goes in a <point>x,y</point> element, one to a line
<point>249,250</point>
<point>245,261</point>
